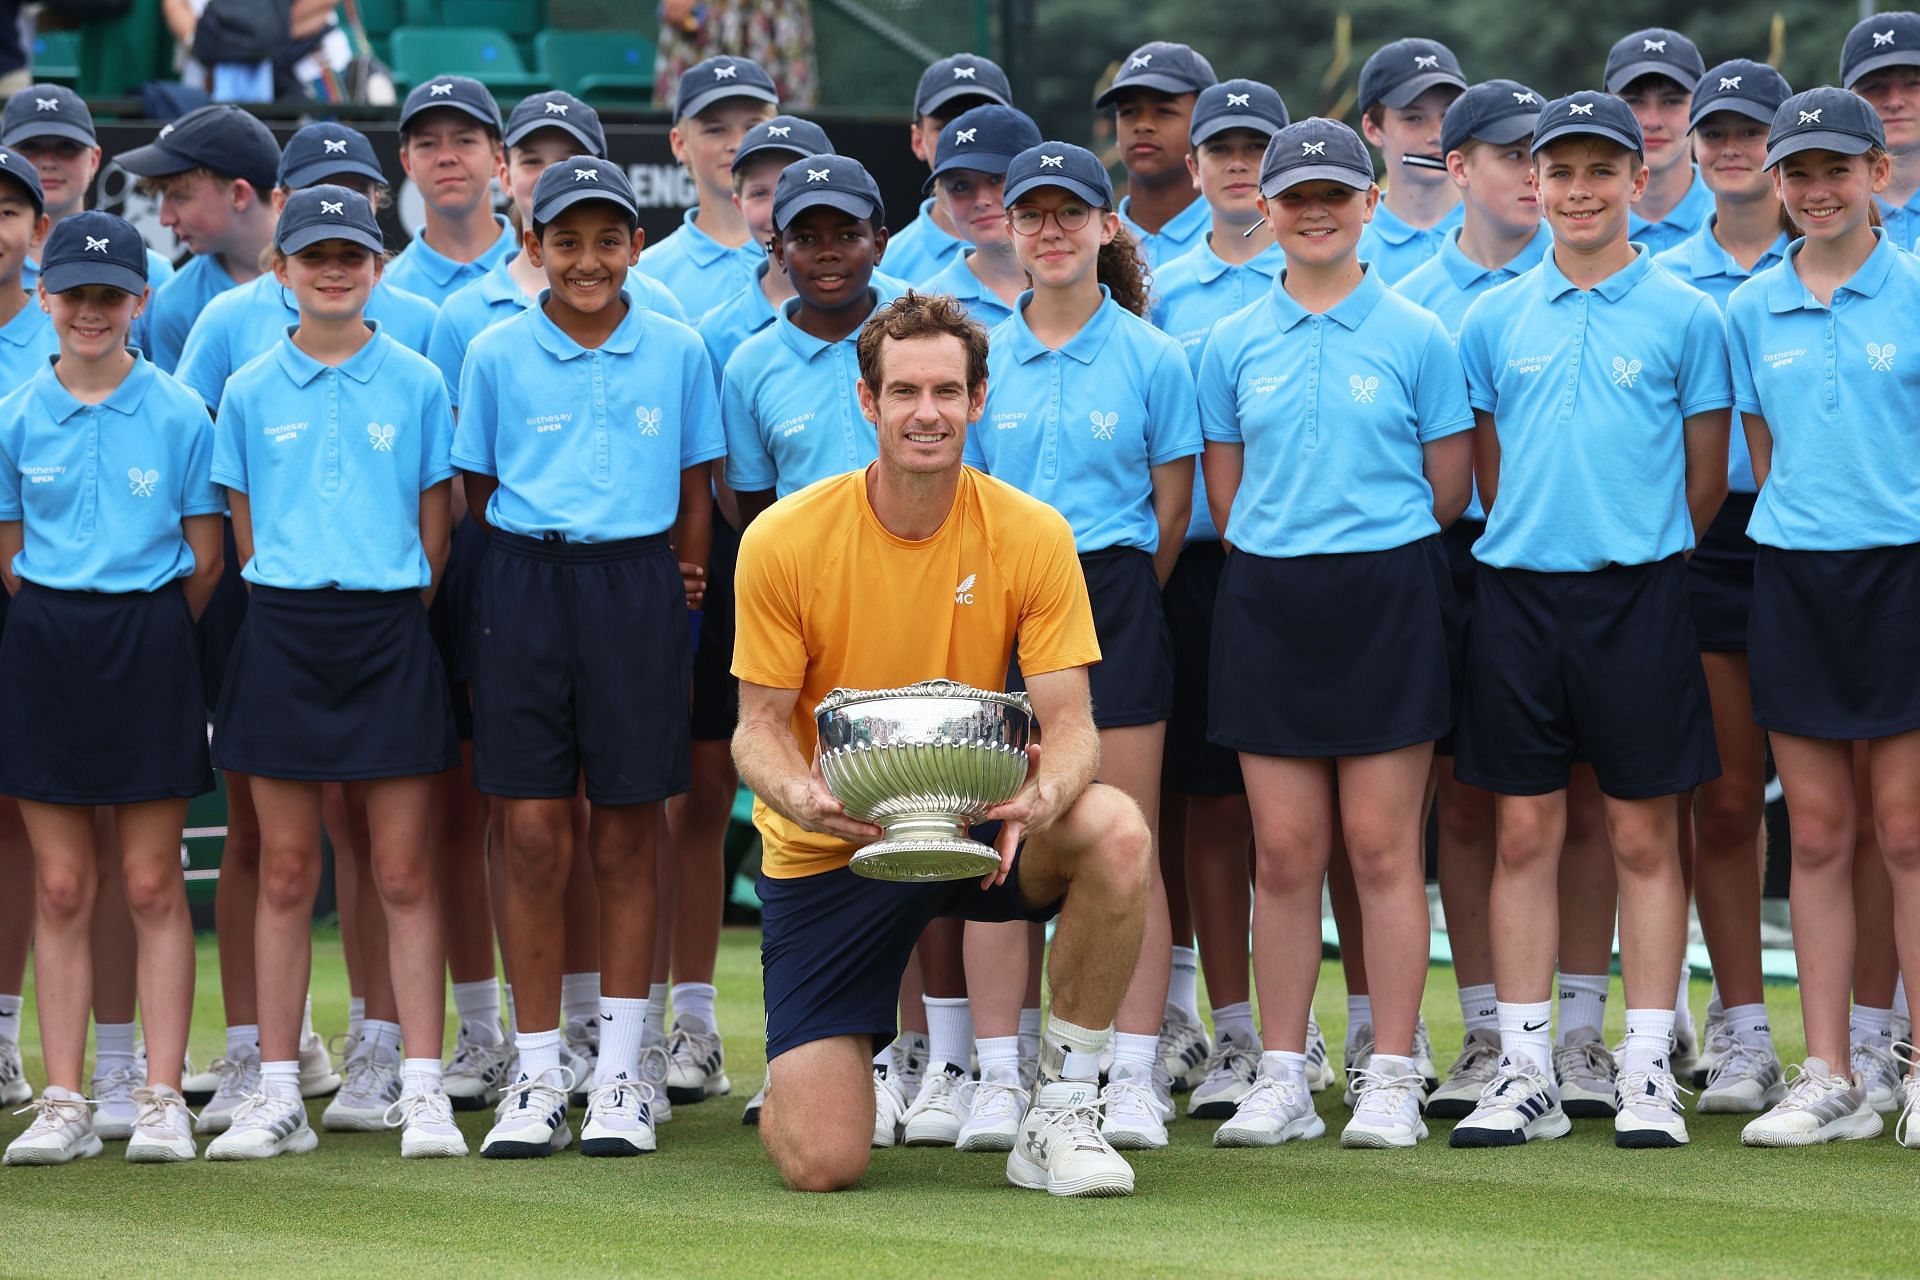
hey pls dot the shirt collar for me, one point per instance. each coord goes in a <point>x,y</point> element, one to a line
<point>1349,313</point>
<point>1912,206</point>
<point>940,235</point>
<point>805,344</point>
<point>441,269</point>
<point>1695,209</point>
<point>1181,227</point>
<point>498,285</point>
<point>1706,256</point>
<point>21,329</point>
<point>1466,273</point>
<point>703,248</point>
<point>622,341</point>
<point>1613,288</point>
<point>1786,291</point>
<point>125,400</point>
<point>360,366</point>
<point>1210,266</point>
<point>1083,346</point>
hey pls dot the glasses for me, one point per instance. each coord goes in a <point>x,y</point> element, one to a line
<point>1069,218</point>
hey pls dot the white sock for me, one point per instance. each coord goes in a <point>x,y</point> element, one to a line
<point>243,1038</point>
<point>513,1023</point>
<point>1583,1003</point>
<point>113,1047</point>
<point>949,1030</point>
<point>1649,1040</point>
<point>478,1004</point>
<point>306,1018</point>
<point>376,1034</point>
<point>1029,1034</point>
<point>1236,1019</point>
<point>1282,1065</point>
<point>999,1058</point>
<point>623,1025</point>
<point>1682,1011</point>
<point>693,1005</point>
<point>356,1016</point>
<point>281,1079</point>
<point>539,1052</point>
<point>1480,1008</point>
<point>1523,1032</point>
<point>1182,986</point>
<point>579,996</point>
<point>1392,1065</point>
<point>1134,1056</point>
<point>1072,1052</point>
<point>1748,1022</point>
<point>1715,1009</point>
<point>420,1075</point>
<point>657,1004</point>
<point>10,1006</point>
<point>1871,1028</point>
<point>1359,1019</point>
<point>1900,997</point>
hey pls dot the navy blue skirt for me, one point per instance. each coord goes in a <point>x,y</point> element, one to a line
<point>100,694</point>
<point>1834,640</point>
<point>219,624</point>
<point>1720,578</point>
<point>1133,681</point>
<point>1195,765</point>
<point>335,686</point>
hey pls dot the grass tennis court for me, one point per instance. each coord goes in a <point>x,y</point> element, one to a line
<point>708,1204</point>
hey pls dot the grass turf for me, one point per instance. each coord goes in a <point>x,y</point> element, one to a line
<point>708,1203</point>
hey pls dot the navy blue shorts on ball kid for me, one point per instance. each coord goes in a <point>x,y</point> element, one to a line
<point>1720,578</point>
<point>335,686</point>
<point>716,691</point>
<point>1196,765</point>
<point>100,693</point>
<point>582,667</point>
<point>1598,668</point>
<point>219,624</point>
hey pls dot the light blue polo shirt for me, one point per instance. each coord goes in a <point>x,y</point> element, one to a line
<point>1183,231</point>
<point>101,489</point>
<point>921,248</point>
<point>1394,247</point>
<point>1189,294</point>
<point>247,321</point>
<point>731,323</point>
<point>422,269</point>
<point>1840,390</point>
<point>957,281</point>
<point>1704,264</point>
<point>1694,211</point>
<point>1334,411</point>
<point>159,271</point>
<point>177,304</point>
<point>494,297</point>
<point>1082,427</point>
<point>27,342</point>
<point>791,407</point>
<point>333,460</point>
<point>587,442</point>
<point>697,269</point>
<point>1902,221</point>
<point>1589,392</point>
<point>1448,282</point>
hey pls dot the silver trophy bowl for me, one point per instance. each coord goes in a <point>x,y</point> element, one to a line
<point>924,763</point>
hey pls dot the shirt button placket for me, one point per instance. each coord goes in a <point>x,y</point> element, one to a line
<point>90,488</point>
<point>1050,457</point>
<point>333,431</point>
<point>1313,383</point>
<point>842,378</point>
<point>602,442</point>
<point>1832,383</point>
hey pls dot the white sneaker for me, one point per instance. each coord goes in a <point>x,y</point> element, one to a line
<point>1585,1069</point>
<point>580,1051</point>
<point>1061,1150</point>
<point>934,1118</point>
<point>1231,1069</point>
<point>114,1110</point>
<point>163,1130</point>
<point>1518,1105</point>
<point>1648,1113</point>
<point>317,1076</point>
<point>239,1079</point>
<point>1713,1037</point>
<point>479,1069</point>
<point>1744,1077</point>
<point>910,1053</point>
<point>995,1109</point>
<point>427,1130</point>
<point>1819,1107</point>
<point>619,1120</point>
<point>60,1133</point>
<point>370,1087</point>
<point>1423,1055</point>
<point>1355,1057</point>
<point>1906,1130</point>
<point>655,1066</point>
<point>196,1086</point>
<point>751,1115</point>
<point>1320,1075</point>
<point>889,1108</point>
<point>264,1126</point>
<point>1184,1049</point>
<point>14,1089</point>
<point>699,1065</point>
<point>531,1120</point>
<point>1685,1055</point>
<point>1273,1111</point>
<point>1467,1078</point>
<point>1135,1113</point>
<point>1878,1076</point>
<point>1387,1113</point>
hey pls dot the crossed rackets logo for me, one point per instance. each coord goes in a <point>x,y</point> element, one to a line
<point>1103,424</point>
<point>1625,372</point>
<point>381,436</point>
<point>1364,389</point>
<point>1880,356</point>
<point>142,482</point>
<point>649,420</point>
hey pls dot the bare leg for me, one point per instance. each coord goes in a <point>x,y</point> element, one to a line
<point>1818,777</point>
<point>997,961</point>
<point>1875,962</point>
<point>1173,865</point>
<point>348,877</point>
<point>156,896</point>
<point>1524,910</point>
<point>1220,887</point>
<point>402,859</point>
<point>1653,899</point>
<point>236,898</point>
<point>16,907</point>
<point>1728,821</point>
<point>699,821</point>
<point>460,844</point>
<point>66,880</point>
<point>115,950</point>
<point>582,911</point>
<point>537,853</point>
<point>1466,873</point>
<point>1895,765</point>
<point>1344,897</point>
<point>1587,887</point>
<point>289,878</point>
<point>1130,761</point>
<point>1293,818</point>
<point>1382,799</point>
<point>621,840</point>
<point>345,811</point>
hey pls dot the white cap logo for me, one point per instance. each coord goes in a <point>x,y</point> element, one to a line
<point>1653,46</point>
<point>1811,117</point>
<point>818,175</point>
<point>779,130</point>
<point>558,108</point>
<point>964,73</point>
<point>1525,97</point>
<point>1138,61</point>
<point>46,104</point>
<point>1426,61</point>
<point>96,246</point>
<point>165,129</point>
<point>1579,108</point>
<point>726,72</point>
<point>337,207</point>
<point>334,146</point>
<point>442,89</point>
<point>1313,148</point>
<point>1879,38</point>
<point>1053,162</point>
<point>586,175</point>
<point>1730,82</point>
<point>964,135</point>
<point>1238,99</point>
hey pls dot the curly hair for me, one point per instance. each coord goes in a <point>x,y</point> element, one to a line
<point>1124,272</point>
<point>921,315</point>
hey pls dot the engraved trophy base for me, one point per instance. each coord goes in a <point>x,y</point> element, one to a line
<point>925,847</point>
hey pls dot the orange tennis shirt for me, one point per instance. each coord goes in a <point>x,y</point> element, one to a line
<point>826,598</point>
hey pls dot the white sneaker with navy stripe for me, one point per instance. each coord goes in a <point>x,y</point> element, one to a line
<point>14,1088</point>
<point>264,1126</point>
<point>1319,1067</point>
<point>1232,1068</point>
<point>619,1119</point>
<point>1184,1049</point>
<point>1586,1072</point>
<point>1518,1105</point>
<point>1649,1113</point>
<point>699,1065</point>
<point>531,1120</point>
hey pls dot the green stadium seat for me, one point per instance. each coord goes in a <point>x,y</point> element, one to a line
<point>381,18</point>
<point>485,53</point>
<point>56,56</point>
<point>603,65</point>
<point>521,19</point>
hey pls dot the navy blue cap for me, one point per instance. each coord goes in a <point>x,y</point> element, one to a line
<point>787,134</point>
<point>1592,114</point>
<point>556,109</point>
<point>839,182</point>
<point>1315,150</point>
<point>567,183</point>
<point>1496,111</point>
<point>961,75</point>
<point>1059,164</point>
<point>462,93</point>
<point>326,150</point>
<point>20,169</point>
<point>221,138</point>
<point>1884,40</point>
<point>1748,88</point>
<point>1237,104</point>
<point>718,78</point>
<point>1162,65</point>
<point>1655,51</point>
<point>94,247</point>
<point>1824,119</point>
<point>985,139</point>
<point>47,111</point>
<point>326,212</point>
<point>1398,73</point>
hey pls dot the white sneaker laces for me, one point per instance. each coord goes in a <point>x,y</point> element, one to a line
<point>1242,1061</point>
<point>369,1075</point>
<point>1805,1089</point>
<point>1633,1091</point>
<point>1477,1059</point>
<point>1909,1108</point>
<point>157,1106</point>
<point>691,1048</point>
<point>53,1113</point>
<point>1271,1096</point>
<point>1377,1092</point>
<point>992,1099</point>
<point>476,1059</point>
<point>1873,1065</point>
<point>1137,1096</point>
<point>1080,1124</point>
<point>1590,1056</point>
<point>544,1094</point>
<point>430,1107</point>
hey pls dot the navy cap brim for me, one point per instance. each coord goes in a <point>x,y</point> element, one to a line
<point>847,202</point>
<point>76,274</point>
<point>155,161</point>
<point>721,92</point>
<point>450,103</point>
<point>310,175</point>
<point>555,205</point>
<point>34,194</point>
<point>594,147</point>
<point>50,129</point>
<point>1739,106</point>
<point>1407,90</point>
<point>783,148</point>
<point>1345,175</point>
<point>312,234</point>
<point>1634,70</point>
<point>960,89</point>
<point>1159,80</point>
<point>1898,58</point>
<point>1584,128</point>
<point>1220,124</point>
<point>1086,191</point>
<point>1846,144</point>
<point>1507,129</point>
<point>978,162</point>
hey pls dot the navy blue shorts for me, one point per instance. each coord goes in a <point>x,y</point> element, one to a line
<point>582,667</point>
<point>1834,640</point>
<point>450,618</point>
<point>1194,765</point>
<point>1457,543</point>
<point>101,697</point>
<point>716,690</point>
<point>1331,655</point>
<point>219,624</point>
<point>1720,578</point>
<point>335,686</point>
<point>833,946</point>
<point>1598,668</point>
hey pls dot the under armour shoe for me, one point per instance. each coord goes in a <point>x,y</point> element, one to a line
<point>1273,1111</point>
<point>699,1065</point>
<point>1878,1076</point>
<point>1136,1111</point>
<point>751,1115</point>
<point>1459,1093</point>
<point>60,1132</point>
<point>427,1131</point>
<point>1423,1055</point>
<point>477,1072</point>
<point>994,1110</point>
<point>1648,1112</point>
<point>1906,1130</point>
<point>1518,1105</point>
<point>1355,1057</point>
<point>531,1120</point>
<point>239,1079</point>
<point>1231,1070</point>
<point>1685,1057</point>
<point>318,1079</point>
<point>163,1129</point>
<point>889,1107</point>
<point>580,1052</point>
<point>655,1066</point>
<point>14,1089</point>
<point>264,1126</point>
<point>1319,1063</point>
<point>1184,1049</point>
<point>910,1053</point>
<point>1585,1069</point>
<point>619,1119</point>
<point>1061,1150</point>
<point>1745,1077</point>
<point>114,1110</point>
<point>934,1118</point>
<point>1819,1107</point>
<point>1387,1113</point>
<point>371,1085</point>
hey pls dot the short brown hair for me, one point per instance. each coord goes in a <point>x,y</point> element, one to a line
<point>922,315</point>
